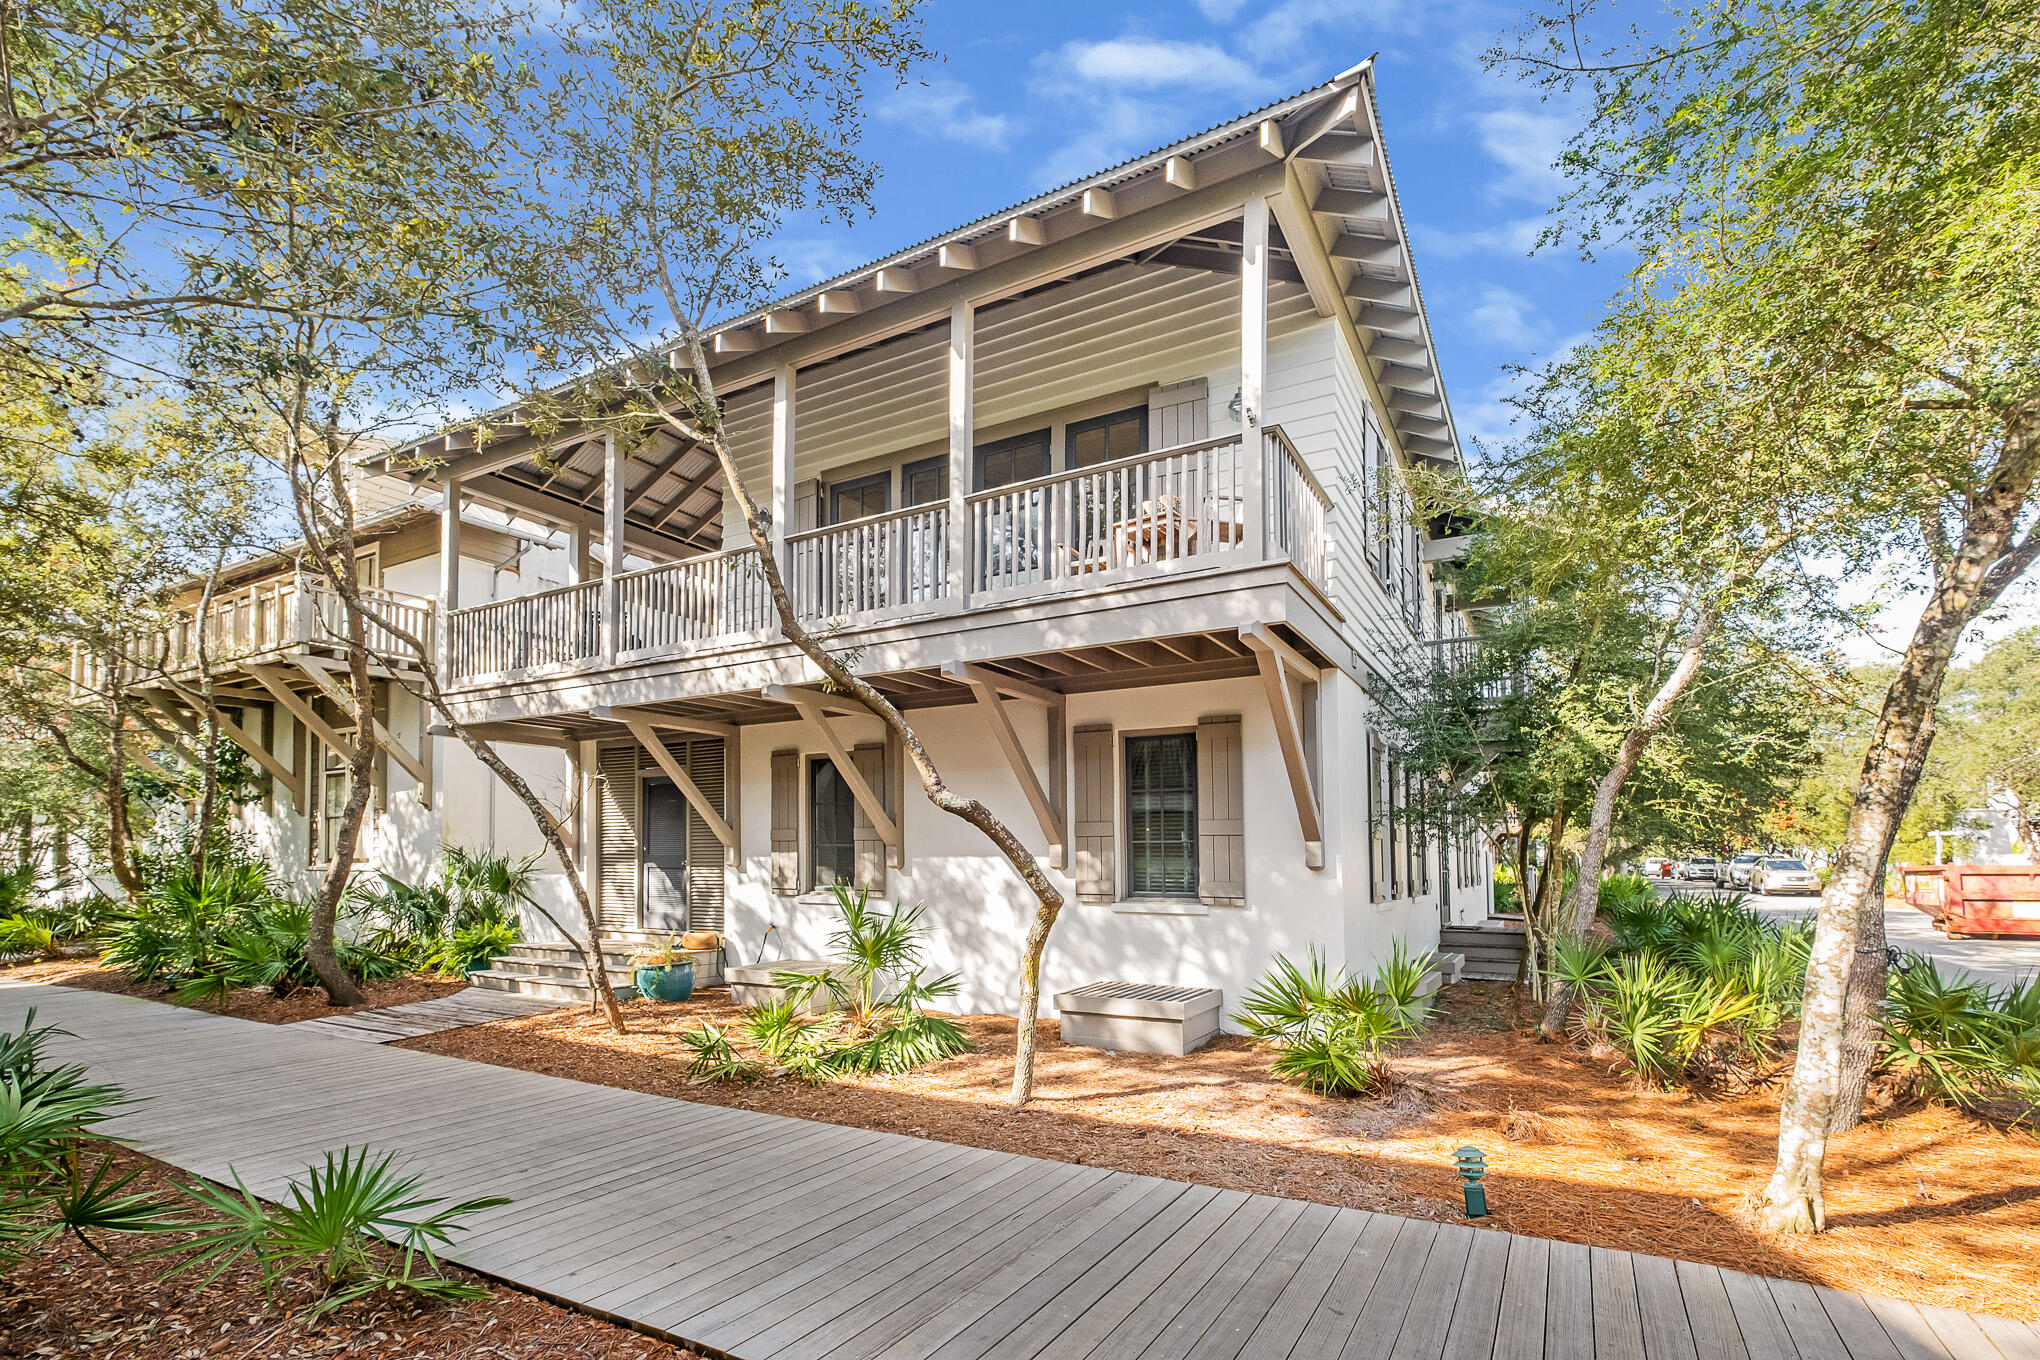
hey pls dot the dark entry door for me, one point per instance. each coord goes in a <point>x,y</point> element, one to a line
<point>665,899</point>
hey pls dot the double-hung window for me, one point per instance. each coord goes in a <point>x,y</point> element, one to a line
<point>1161,815</point>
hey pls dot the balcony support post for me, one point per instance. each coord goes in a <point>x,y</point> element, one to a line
<point>782,477</point>
<point>962,442</point>
<point>449,573</point>
<point>613,489</point>
<point>580,564</point>
<point>1253,374</point>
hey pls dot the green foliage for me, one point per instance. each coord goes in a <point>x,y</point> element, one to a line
<point>27,928</point>
<point>234,929</point>
<point>877,1019</point>
<point>453,926</point>
<point>1965,1042</point>
<point>1334,1034</point>
<point>333,1222</point>
<point>50,1183</point>
<point>1691,987</point>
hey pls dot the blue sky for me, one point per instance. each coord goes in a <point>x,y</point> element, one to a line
<point>1028,96</point>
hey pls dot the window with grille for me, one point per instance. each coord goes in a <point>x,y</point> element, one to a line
<point>1161,815</point>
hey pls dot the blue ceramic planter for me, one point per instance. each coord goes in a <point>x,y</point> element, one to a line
<point>674,982</point>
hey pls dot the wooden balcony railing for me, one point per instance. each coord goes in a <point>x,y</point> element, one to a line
<point>545,628</point>
<point>260,620</point>
<point>866,565</point>
<point>1182,505</point>
<point>680,602</point>
<point>1152,507</point>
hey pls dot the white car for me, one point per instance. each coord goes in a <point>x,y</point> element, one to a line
<point>1700,869</point>
<point>1779,877</point>
<point>1739,870</point>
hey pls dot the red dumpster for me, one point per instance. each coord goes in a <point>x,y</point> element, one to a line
<point>1975,899</point>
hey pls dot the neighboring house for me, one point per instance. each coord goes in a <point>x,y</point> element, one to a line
<point>273,640</point>
<point>1096,489</point>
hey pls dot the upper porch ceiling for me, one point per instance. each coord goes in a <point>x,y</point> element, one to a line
<point>1335,201</point>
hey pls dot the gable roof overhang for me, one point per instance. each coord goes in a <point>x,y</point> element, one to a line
<point>1319,154</point>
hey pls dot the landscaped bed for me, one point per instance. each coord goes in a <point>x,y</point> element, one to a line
<point>65,1300</point>
<point>307,1003</point>
<point>1924,1203</point>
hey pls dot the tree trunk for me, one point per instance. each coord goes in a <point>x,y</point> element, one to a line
<point>209,750</point>
<point>1048,899</point>
<point>1988,558</point>
<point>119,837</point>
<point>603,996</point>
<point>1527,968</point>
<point>1587,892</point>
<point>1870,967</point>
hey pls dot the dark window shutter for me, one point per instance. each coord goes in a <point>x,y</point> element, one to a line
<point>705,854</point>
<point>1095,820</point>
<point>1221,813</point>
<point>786,822</point>
<point>616,867</point>
<point>869,874</point>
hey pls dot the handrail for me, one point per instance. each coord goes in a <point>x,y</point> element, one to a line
<point>1093,469</point>
<point>699,559</point>
<point>1309,478</point>
<point>528,595</point>
<point>865,521</point>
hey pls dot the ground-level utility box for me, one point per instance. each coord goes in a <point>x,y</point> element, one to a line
<point>1139,1017</point>
<point>751,984</point>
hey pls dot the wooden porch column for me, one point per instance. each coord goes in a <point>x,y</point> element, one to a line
<point>782,473</point>
<point>1253,372</point>
<point>449,572</point>
<point>578,557</point>
<point>613,488</point>
<point>962,441</point>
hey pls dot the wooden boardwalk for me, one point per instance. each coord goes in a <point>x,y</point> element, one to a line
<point>387,1024</point>
<point>758,1236</point>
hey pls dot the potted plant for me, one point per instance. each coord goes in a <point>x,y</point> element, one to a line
<point>664,972</point>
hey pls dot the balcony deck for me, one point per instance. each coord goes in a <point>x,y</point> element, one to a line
<point>1123,527</point>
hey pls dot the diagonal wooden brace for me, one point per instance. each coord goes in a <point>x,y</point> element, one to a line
<point>1275,659</point>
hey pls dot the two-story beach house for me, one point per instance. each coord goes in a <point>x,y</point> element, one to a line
<point>1101,489</point>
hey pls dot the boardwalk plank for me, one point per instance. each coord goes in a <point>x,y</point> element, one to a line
<point>1661,1305</point>
<point>1715,1334</point>
<point>1763,1328</point>
<point>1618,1328</point>
<point>1569,1306</point>
<point>1907,1329</point>
<point>1325,1334</point>
<point>1476,1316</point>
<point>1519,1330</point>
<point>805,1240</point>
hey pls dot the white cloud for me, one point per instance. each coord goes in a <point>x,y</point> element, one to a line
<point>1122,96</point>
<point>1220,11</point>
<point>1527,144</point>
<point>810,259</point>
<point>1515,238</point>
<point>1504,318</point>
<point>1153,64</point>
<point>946,109</point>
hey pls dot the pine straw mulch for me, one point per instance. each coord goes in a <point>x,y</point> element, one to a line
<point>65,1300</point>
<point>308,1003</point>
<point>1923,1204</point>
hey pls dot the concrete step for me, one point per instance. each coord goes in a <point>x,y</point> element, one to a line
<point>561,968</point>
<point>549,989</point>
<point>563,953</point>
<point>1488,972</point>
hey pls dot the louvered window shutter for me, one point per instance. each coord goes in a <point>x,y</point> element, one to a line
<point>1095,819</point>
<point>1221,813</point>
<point>617,860</point>
<point>869,871</point>
<point>705,855</point>
<point>786,822</point>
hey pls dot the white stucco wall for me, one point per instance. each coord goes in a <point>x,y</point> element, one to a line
<point>979,909</point>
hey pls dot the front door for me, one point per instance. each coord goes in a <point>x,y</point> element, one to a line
<point>665,865</point>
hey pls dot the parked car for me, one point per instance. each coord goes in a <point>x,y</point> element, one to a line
<point>1654,866</point>
<point>1700,869</point>
<point>1781,877</point>
<point>1739,870</point>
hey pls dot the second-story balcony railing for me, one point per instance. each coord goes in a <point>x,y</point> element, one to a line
<point>260,620</point>
<point>1179,507</point>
